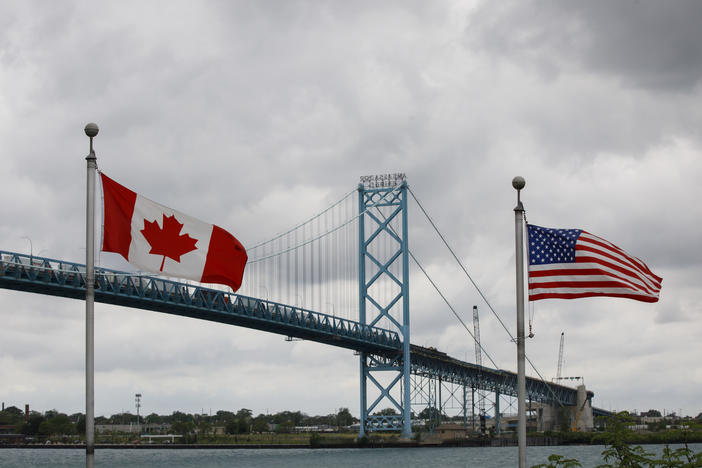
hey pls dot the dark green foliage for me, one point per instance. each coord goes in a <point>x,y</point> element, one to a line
<point>430,413</point>
<point>620,454</point>
<point>344,417</point>
<point>260,423</point>
<point>315,439</point>
<point>558,461</point>
<point>80,424</point>
<point>682,457</point>
<point>11,415</point>
<point>32,427</point>
<point>626,456</point>
<point>57,424</point>
<point>387,412</point>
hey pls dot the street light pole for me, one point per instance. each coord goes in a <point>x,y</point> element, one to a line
<point>91,130</point>
<point>137,402</point>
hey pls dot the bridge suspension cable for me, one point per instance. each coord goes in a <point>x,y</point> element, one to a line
<point>298,226</point>
<point>443,297</point>
<point>311,265</point>
<point>314,264</point>
<point>465,271</point>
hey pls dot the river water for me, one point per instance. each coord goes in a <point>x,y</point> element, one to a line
<point>464,457</point>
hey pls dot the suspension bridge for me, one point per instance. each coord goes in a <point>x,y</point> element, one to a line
<point>340,278</point>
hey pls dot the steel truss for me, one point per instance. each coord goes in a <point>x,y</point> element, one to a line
<point>427,361</point>
<point>67,279</point>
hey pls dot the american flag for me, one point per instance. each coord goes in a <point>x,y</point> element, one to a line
<point>572,263</point>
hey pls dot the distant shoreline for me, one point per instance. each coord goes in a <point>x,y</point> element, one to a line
<point>551,441</point>
<point>277,446</point>
<point>210,446</point>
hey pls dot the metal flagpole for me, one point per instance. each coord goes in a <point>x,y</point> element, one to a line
<point>91,130</point>
<point>518,183</point>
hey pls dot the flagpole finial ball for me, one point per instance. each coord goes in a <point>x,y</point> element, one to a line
<point>91,129</point>
<point>518,182</point>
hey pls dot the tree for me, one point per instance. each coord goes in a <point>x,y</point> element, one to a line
<point>11,415</point>
<point>231,427</point>
<point>244,413</point>
<point>681,457</point>
<point>617,450</point>
<point>295,417</point>
<point>223,417</point>
<point>59,424</point>
<point>429,413</point>
<point>260,423</point>
<point>286,426</point>
<point>204,427</point>
<point>80,424</point>
<point>344,417</point>
<point>183,427</point>
<point>558,461</point>
<point>32,427</point>
<point>243,418</point>
<point>179,416</point>
<point>122,418</point>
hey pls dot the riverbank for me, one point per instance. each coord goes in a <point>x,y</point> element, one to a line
<point>347,441</point>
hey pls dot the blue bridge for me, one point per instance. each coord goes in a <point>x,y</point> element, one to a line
<point>366,245</point>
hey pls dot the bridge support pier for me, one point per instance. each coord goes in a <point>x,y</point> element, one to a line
<point>465,405</point>
<point>382,201</point>
<point>472,399</point>
<point>497,412</point>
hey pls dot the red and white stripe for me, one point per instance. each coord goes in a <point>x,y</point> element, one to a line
<point>218,257</point>
<point>600,269</point>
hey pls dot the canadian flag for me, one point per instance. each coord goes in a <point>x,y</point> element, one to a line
<point>159,239</point>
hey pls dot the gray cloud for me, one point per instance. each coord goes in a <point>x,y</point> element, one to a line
<point>642,43</point>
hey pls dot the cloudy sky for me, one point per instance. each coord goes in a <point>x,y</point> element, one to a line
<point>255,115</point>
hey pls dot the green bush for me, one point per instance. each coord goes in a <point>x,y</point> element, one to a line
<point>619,453</point>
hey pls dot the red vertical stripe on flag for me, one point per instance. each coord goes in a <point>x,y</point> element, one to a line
<point>117,217</point>
<point>226,259</point>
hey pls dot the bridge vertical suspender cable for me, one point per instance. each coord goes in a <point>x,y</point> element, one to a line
<point>443,239</point>
<point>324,248</point>
<point>445,299</point>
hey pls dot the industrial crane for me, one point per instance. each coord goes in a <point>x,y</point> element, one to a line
<point>559,374</point>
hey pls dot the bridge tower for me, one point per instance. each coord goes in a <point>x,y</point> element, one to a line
<point>383,280</point>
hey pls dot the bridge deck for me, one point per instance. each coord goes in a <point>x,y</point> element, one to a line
<point>67,279</point>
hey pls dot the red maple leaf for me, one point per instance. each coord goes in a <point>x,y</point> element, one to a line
<point>168,241</point>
